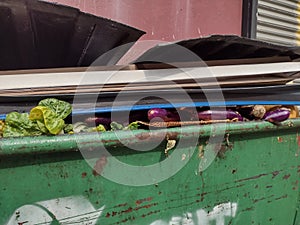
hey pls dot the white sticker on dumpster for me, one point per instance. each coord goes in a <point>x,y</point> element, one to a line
<point>201,217</point>
<point>70,210</point>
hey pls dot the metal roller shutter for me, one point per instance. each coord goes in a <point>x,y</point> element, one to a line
<point>278,21</point>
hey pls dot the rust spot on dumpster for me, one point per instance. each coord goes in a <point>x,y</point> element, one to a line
<point>287,176</point>
<point>246,195</point>
<point>202,196</point>
<point>275,173</point>
<point>157,136</point>
<point>281,197</point>
<point>127,210</point>
<point>263,198</point>
<point>145,206</point>
<point>150,213</point>
<point>296,185</point>
<point>140,201</point>
<point>64,175</point>
<point>83,175</point>
<point>252,178</point>
<point>279,139</point>
<point>143,136</point>
<point>121,205</point>
<point>99,166</point>
<point>298,140</point>
<point>174,135</point>
<point>223,149</point>
<point>248,209</point>
<point>123,221</point>
<point>257,200</point>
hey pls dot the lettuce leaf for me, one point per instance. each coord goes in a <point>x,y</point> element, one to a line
<point>68,128</point>
<point>46,118</point>
<point>45,115</point>
<point>2,124</point>
<point>80,127</point>
<point>100,128</point>
<point>61,108</point>
<point>19,124</point>
<point>132,126</point>
<point>116,126</point>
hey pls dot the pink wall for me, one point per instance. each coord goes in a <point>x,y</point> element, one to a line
<point>166,20</point>
<point>169,20</point>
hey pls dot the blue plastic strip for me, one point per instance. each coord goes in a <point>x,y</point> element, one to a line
<point>178,105</point>
<point>174,105</point>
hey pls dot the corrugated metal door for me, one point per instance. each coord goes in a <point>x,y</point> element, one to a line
<point>278,21</point>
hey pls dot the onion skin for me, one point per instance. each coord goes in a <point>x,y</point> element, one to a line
<point>252,112</point>
<point>258,111</point>
<point>164,114</point>
<point>219,115</point>
<point>277,115</point>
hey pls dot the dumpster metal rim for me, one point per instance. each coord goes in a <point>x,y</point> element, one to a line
<point>89,141</point>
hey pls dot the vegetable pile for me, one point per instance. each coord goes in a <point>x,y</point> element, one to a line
<point>50,115</point>
<point>46,118</point>
<point>271,113</point>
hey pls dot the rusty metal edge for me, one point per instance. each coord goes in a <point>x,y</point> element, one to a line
<point>92,141</point>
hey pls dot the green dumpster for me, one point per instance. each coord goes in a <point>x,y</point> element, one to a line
<point>235,173</point>
<point>253,179</point>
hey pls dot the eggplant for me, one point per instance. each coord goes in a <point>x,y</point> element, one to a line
<point>219,115</point>
<point>95,121</point>
<point>294,111</point>
<point>277,115</point>
<point>164,114</point>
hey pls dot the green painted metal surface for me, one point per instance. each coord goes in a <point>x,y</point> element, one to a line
<point>253,180</point>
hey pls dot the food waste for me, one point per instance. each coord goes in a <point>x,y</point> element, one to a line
<point>51,117</point>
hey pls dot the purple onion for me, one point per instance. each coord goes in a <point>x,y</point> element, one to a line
<point>164,114</point>
<point>277,115</point>
<point>219,115</point>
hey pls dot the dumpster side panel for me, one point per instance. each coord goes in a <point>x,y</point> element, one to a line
<point>297,215</point>
<point>254,180</point>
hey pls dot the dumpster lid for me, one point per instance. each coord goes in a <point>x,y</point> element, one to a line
<point>36,34</point>
<point>218,47</point>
